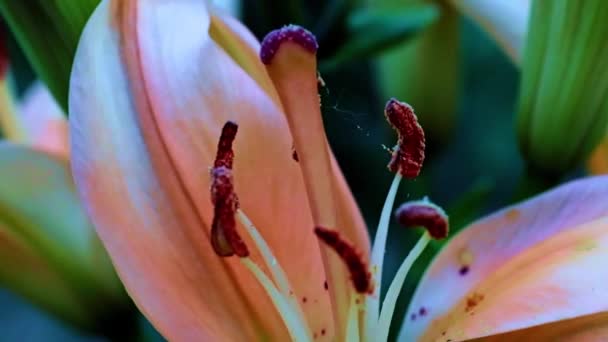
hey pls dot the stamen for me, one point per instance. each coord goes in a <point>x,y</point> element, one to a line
<point>225,154</point>
<point>352,327</point>
<point>224,237</point>
<point>377,257</point>
<point>298,329</point>
<point>225,240</point>
<point>4,62</point>
<point>270,260</point>
<point>408,155</point>
<point>276,271</point>
<point>359,272</point>
<point>390,300</point>
<point>424,214</point>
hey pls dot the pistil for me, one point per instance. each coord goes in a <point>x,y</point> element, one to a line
<point>289,54</point>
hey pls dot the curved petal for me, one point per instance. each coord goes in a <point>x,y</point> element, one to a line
<point>534,263</point>
<point>45,124</point>
<point>581,329</point>
<point>147,104</point>
<point>505,21</point>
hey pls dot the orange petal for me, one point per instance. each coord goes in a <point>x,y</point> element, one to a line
<point>582,329</point>
<point>534,263</point>
<point>144,136</point>
<point>45,124</point>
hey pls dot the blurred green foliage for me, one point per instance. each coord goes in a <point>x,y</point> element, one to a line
<point>51,49</point>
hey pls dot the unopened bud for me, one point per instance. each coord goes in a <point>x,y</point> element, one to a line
<point>563,109</point>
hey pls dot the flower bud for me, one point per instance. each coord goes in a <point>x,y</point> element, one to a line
<point>563,107</point>
<point>49,252</point>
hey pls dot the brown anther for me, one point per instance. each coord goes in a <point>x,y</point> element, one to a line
<point>424,214</point>
<point>358,269</point>
<point>408,155</point>
<point>4,62</point>
<point>225,239</point>
<point>225,154</point>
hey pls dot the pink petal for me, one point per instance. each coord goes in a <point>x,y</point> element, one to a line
<point>534,263</point>
<point>150,92</point>
<point>45,123</point>
<point>582,329</point>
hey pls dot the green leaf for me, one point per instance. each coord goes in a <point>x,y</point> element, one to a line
<point>373,31</point>
<point>48,32</point>
<point>50,253</point>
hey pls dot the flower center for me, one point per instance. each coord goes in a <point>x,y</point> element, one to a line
<point>309,139</point>
<point>226,241</point>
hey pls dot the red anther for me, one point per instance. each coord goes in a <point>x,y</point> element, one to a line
<point>225,154</point>
<point>359,271</point>
<point>225,239</point>
<point>290,33</point>
<point>3,54</point>
<point>424,214</point>
<point>224,236</point>
<point>408,155</point>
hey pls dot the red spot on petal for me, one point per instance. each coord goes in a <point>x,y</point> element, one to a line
<point>424,214</point>
<point>325,285</point>
<point>225,154</point>
<point>304,299</point>
<point>472,301</point>
<point>290,33</point>
<point>322,332</point>
<point>294,155</point>
<point>408,155</point>
<point>512,215</point>
<point>464,270</point>
<point>359,271</point>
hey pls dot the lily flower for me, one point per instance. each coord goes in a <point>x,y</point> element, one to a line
<point>280,250</point>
